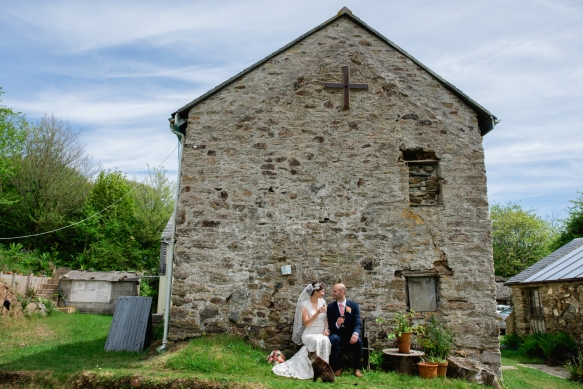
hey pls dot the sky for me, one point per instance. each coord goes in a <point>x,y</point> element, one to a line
<point>116,70</point>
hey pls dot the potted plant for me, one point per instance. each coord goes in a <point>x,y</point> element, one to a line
<point>428,366</point>
<point>436,342</point>
<point>403,330</point>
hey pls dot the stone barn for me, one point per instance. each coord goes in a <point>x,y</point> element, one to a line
<point>339,157</point>
<point>548,296</point>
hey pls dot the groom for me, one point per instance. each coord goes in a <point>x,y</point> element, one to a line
<point>344,331</point>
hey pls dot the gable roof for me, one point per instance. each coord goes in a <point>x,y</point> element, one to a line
<point>486,120</point>
<point>564,264</point>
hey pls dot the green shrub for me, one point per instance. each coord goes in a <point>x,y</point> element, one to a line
<point>376,359</point>
<point>575,368</point>
<point>13,258</point>
<point>50,307</point>
<point>512,341</point>
<point>553,348</point>
<point>149,288</point>
<point>437,340</point>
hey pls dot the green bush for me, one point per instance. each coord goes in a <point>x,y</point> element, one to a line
<point>512,341</point>
<point>149,288</point>
<point>553,348</point>
<point>437,340</point>
<point>376,359</point>
<point>575,368</point>
<point>14,258</point>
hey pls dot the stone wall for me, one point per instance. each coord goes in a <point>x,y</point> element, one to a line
<point>276,173</point>
<point>561,302</point>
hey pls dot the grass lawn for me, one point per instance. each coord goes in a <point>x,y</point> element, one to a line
<point>63,351</point>
<point>527,378</point>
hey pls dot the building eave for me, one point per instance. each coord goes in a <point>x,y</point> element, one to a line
<point>537,283</point>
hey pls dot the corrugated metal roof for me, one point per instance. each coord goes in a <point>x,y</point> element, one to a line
<point>564,264</point>
<point>486,120</point>
<point>112,276</point>
<point>131,327</point>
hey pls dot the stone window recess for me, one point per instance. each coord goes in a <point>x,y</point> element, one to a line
<point>424,178</point>
<point>421,291</point>
<point>535,309</point>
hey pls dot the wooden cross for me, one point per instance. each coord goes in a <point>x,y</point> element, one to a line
<point>346,85</point>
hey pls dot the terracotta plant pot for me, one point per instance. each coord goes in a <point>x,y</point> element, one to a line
<point>442,369</point>
<point>427,369</point>
<point>404,342</point>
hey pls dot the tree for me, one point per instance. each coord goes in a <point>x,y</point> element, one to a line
<point>520,238</point>
<point>108,239</point>
<point>13,129</point>
<point>154,199</point>
<point>573,225</point>
<point>52,179</point>
<point>126,235</point>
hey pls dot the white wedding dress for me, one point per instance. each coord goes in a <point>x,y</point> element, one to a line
<point>313,338</point>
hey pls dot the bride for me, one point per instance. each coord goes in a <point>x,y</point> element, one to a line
<point>311,330</point>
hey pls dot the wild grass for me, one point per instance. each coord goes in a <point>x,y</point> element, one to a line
<point>61,343</point>
<point>62,351</point>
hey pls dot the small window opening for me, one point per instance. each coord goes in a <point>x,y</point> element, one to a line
<point>535,309</point>
<point>424,177</point>
<point>422,293</point>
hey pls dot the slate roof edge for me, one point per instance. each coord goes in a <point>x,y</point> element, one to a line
<point>486,120</point>
<point>543,263</point>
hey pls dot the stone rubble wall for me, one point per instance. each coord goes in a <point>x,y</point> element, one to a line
<point>276,173</point>
<point>423,184</point>
<point>562,307</point>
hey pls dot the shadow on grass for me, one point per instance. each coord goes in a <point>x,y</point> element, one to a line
<point>70,357</point>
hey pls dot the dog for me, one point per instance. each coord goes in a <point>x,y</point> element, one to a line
<point>321,368</point>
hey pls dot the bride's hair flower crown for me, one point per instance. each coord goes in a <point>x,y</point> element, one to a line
<point>312,287</point>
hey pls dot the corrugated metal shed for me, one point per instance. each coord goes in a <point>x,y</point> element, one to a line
<point>112,276</point>
<point>131,327</point>
<point>564,264</point>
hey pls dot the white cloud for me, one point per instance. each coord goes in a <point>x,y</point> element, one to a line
<point>118,69</point>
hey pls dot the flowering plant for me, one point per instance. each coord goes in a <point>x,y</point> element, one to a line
<point>348,309</point>
<point>275,357</point>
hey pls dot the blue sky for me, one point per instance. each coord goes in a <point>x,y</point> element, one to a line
<point>116,70</point>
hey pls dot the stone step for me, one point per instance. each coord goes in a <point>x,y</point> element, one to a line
<point>47,293</point>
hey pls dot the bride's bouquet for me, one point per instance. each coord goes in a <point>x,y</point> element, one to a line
<point>275,357</point>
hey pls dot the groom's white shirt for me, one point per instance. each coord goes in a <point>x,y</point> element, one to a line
<point>343,303</point>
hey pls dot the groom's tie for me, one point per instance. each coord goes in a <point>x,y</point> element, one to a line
<point>341,309</point>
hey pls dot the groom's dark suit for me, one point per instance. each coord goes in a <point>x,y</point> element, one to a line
<point>341,336</point>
